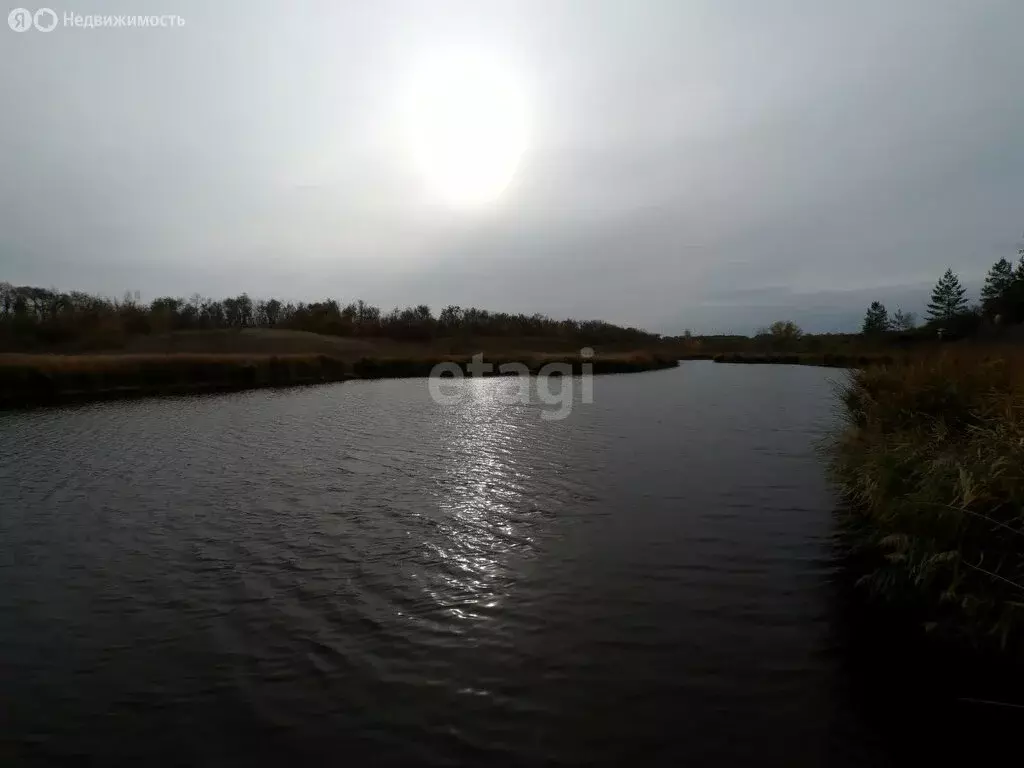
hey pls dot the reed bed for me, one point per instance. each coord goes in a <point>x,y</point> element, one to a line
<point>931,466</point>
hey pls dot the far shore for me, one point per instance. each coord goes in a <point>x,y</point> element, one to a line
<point>44,379</point>
<point>827,360</point>
<point>30,379</point>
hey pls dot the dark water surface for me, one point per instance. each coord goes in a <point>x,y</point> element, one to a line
<point>355,574</point>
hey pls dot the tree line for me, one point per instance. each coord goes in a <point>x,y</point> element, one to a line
<point>31,316</point>
<point>1002,303</point>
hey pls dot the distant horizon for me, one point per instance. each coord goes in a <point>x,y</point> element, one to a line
<point>848,315</point>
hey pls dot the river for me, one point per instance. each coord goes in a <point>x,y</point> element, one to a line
<point>356,573</point>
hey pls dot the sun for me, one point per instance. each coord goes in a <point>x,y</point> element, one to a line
<point>468,128</point>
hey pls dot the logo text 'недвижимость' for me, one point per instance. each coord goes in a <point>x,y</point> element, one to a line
<point>47,19</point>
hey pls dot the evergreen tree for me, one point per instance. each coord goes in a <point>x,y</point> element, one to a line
<point>1012,306</point>
<point>903,321</point>
<point>876,319</point>
<point>996,292</point>
<point>947,298</point>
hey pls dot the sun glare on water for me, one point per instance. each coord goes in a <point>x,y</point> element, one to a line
<point>467,125</point>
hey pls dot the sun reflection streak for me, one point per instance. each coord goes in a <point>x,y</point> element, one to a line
<point>480,499</point>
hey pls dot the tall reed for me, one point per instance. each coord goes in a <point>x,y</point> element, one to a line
<point>931,465</point>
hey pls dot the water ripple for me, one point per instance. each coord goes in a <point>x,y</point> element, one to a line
<point>355,570</point>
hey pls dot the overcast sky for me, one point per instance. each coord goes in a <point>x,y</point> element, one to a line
<point>714,165</point>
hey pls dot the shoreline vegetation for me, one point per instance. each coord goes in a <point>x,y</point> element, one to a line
<point>60,346</point>
<point>32,379</point>
<point>827,359</point>
<point>931,469</point>
<point>27,380</point>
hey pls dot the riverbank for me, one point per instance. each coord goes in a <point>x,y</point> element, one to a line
<point>929,465</point>
<point>27,380</point>
<point>828,360</point>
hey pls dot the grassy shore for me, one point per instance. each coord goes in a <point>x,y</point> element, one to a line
<point>829,360</point>
<point>43,379</point>
<point>931,465</point>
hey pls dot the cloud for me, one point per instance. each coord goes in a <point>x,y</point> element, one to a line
<point>680,154</point>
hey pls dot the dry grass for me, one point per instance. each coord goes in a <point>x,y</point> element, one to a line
<point>29,379</point>
<point>262,341</point>
<point>830,360</point>
<point>90,363</point>
<point>932,464</point>
<point>273,341</point>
